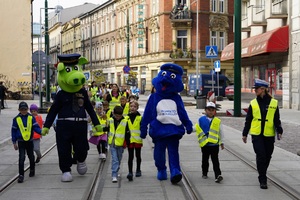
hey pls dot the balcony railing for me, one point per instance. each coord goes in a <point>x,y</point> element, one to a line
<point>258,14</point>
<point>180,14</point>
<point>279,7</point>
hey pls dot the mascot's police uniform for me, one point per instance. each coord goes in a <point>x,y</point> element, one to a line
<point>168,120</point>
<point>71,104</point>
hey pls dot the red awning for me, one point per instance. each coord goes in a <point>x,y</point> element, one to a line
<point>276,40</point>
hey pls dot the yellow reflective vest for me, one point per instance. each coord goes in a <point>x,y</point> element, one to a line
<point>114,101</point>
<point>25,131</point>
<point>269,129</point>
<point>94,90</point>
<point>135,130</point>
<point>213,133</point>
<point>126,109</point>
<point>102,123</point>
<point>117,136</point>
<point>53,89</point>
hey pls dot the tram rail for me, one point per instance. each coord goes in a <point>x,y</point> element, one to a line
<point>288,190</point>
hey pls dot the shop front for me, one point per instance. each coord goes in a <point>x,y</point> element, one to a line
<point>264,56</point>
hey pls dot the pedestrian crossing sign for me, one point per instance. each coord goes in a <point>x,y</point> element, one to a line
<point>211,51</point>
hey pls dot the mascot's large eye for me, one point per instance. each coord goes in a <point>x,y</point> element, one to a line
<point>76,67</point>
<point>68,69</point>
<point>164,73</point>
<point>173,76</point>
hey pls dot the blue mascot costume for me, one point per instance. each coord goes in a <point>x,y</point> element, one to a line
<point>71,104</point>
<point>168,120</point>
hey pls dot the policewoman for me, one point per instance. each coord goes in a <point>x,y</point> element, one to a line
<point>262,123</point>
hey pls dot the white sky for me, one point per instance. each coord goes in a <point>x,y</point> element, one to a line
<point>37,4</point>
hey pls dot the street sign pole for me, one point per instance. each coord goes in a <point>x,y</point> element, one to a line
<point>212,76</point>
<point>218,84</point>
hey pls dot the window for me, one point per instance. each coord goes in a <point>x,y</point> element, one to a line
<point>182,39</point>
<point>218,6</point>
<point>217,38</point>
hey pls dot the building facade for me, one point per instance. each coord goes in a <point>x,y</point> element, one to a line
<point>16,45</point>
<point>293,94</point>
<point>145,34</point>
<point>265,46</point>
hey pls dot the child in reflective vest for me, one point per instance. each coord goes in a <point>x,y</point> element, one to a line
<point>36,137</point>
<point>100,138</point>
<point>133,140</point>
<point>210,137</point>
<point>125,105</point>
<point>118,128</point>
<point>22,129</point>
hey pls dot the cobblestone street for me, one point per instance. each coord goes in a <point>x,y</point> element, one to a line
<point>290,139</point>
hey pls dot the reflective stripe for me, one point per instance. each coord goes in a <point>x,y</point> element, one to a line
<point>202,139</point>
<point>269,129</point>
<point>25,131</point>
<point>213,133</point>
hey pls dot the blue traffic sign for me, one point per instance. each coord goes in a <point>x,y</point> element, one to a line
<point>217,65</point>
<point>211,51</point>
<point>126,69</point>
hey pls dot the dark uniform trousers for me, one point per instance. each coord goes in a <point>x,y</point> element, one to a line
<point>263,147</point>
<point>71,134</point>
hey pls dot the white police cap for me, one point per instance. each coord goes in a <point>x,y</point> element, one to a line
<point>260,83</point>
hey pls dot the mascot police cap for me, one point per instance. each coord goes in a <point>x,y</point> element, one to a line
<point>69,59</point>
<point>172,68</point>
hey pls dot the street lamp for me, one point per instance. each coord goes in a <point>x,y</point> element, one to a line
<point>47,54</point>
<point>197,50</point>
<point>127,38</point>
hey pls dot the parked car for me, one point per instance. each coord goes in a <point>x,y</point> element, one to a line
<point>229,92</point>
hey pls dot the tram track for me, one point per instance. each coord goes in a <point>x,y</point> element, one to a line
<point>288,190</point>
<point>14,179</point>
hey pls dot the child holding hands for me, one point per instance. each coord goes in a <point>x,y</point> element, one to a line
<point>210,137</point>
<point>133,140</point>
<point>22,129</point>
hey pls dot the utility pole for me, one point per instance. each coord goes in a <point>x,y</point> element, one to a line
<point>237,58</point>
<point>47,53</point>
<point>127,37</point>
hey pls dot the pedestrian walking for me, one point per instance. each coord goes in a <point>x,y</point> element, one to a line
<point>22,129</point>
<point>3,90</point>
<point>116,139</point>
<point>36,137</point>
<point>210,137</point>
<point>133,140</point>
<point>262,123</point>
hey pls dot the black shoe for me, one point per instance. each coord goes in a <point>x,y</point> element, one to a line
<point>130,176</point>
<point>20,179</point>
<point>31,173</point>
<point>175,179</point>
<point>263,186</point>
<point>37,160</point>
<point>219,179</point>
<point>138,173</point>
<point>204,176</point>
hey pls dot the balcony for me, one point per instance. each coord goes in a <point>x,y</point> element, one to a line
<point>258,16</point>
<point>181,17</point>
<point>278,9</point>
<point>181,55</point>
<point>245,26</point>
